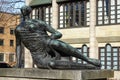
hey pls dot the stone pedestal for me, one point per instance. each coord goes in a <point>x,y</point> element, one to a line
<point>44,74</point>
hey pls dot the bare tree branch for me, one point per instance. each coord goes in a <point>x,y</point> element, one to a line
<point>11,7</point>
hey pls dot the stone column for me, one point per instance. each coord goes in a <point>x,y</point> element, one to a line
<point>54,14</point>
<point>92,32</point>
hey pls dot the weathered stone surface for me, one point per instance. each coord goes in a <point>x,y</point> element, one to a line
<point>44,74</point>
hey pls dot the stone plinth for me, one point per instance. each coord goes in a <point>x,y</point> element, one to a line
<point>44,74</point>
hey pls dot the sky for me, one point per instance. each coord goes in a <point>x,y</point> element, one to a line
<point>11,6</point>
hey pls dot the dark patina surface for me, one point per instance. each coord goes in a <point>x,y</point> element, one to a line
<point>46,50</point>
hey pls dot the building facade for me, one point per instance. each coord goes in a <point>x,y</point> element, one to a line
<point>8,22</point>
<point>89,25</point>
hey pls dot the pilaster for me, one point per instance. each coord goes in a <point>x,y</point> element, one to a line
<point>92,31</point>
<point>54,14</point>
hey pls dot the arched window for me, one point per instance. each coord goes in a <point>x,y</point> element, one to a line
<point>85,51</point>
<point>109,57</point>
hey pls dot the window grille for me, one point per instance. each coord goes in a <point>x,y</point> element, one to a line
<point>109,57</point>
<point>1,42</point>
<point>83,50</point>
<point>11,58</point>
<point>43,13</point>
<point>11,31</point>
<point>1,30</point>
<point>1,56</point>
<point>11,42</point>
<point>74,14</point>
<point>108,12</point>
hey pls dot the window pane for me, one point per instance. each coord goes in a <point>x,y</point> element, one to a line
<point>108,54</point>
<point>1,42</point>
<point>79,61</point>
<point>108,48</point>
<point>11,58</point>
<point>11,31</point>
<point>115,63</point>
<point>1,56</point>
<point>102,63</point>
<point>2,30</point>
<point>11,42</point>
<point>115,49</point>
<point>108,58</point>
<point>115,54</point>
<point>48,15</point>
<point>84,48</point>
<point>102,54</point>
<point>79,49</point>
<point>115,58</point>
<point>84,62</point>
<point>102,58</point>
<point>102,50</point>
<point>108,63</point>
<point>108,67</point>
<point>103,67</point>
<point>85,54</point>
<point>115,67</point>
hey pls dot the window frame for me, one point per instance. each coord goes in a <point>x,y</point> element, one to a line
<point>104,18</point>
<point>39,12</point>
<point>82,52</point>
<point>1,42</point>
<point>65,22</point>
<point>2,54</point>
<point>11,43</point>
<point>111,57</point>
<point>11,57</point>
<point>12,31</point>
<point>2,30</point>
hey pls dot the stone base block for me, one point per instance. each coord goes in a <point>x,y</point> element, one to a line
<point>45,74</point>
